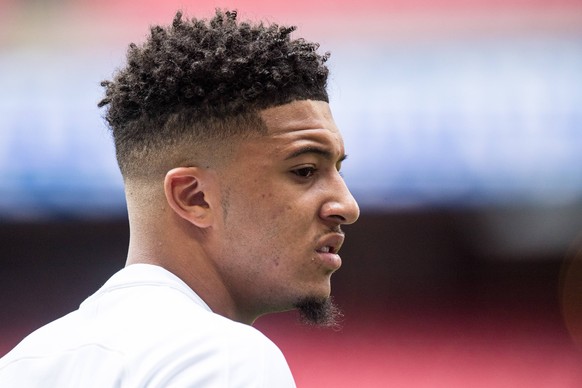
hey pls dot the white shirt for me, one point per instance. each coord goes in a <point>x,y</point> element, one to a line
<point>145,328</point>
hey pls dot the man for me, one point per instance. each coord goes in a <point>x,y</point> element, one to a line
<point>230,159</point>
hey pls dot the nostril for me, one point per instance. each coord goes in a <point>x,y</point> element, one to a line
<point>336,213</point>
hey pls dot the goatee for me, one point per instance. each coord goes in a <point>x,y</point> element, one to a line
<point>319,312</point>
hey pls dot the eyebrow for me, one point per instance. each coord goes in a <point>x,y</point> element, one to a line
<point>315,150</point>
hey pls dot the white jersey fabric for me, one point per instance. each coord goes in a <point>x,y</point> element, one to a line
<point>145,328</point>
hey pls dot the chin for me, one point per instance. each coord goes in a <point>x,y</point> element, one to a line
<point>319,311</point>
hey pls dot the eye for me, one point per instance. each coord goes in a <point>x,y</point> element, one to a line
<point>305,172</point>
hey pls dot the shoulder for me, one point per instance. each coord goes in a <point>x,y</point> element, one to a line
<point>173,341</point>
<point>211,348</point>
<point>154,333</point>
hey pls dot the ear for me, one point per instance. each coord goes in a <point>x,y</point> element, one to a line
<point>186,190</point>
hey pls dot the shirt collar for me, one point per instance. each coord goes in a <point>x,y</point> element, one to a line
<point>147,274</point>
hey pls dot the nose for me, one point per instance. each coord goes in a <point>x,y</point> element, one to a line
<point>341,207</point>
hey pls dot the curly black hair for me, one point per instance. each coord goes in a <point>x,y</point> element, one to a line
<point>197,72</point>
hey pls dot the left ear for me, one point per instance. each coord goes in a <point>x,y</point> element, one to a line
<point>188,195</point>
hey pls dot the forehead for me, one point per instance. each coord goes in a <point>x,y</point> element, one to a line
<point>298,115</point>
<point>304,119</point>
<point>293,130</point>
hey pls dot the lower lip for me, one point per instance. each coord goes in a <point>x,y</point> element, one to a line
<point>329,260</point>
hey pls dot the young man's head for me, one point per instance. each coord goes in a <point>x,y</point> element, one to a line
<point>231,158</point>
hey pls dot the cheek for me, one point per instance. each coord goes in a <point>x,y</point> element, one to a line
<point>270,206</point>
<point>278,232</point>
<point>272,221</point>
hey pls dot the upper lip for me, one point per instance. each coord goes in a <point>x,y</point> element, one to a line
<point>333,240</point>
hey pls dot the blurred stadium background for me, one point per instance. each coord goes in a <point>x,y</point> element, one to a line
<point>463,123</point>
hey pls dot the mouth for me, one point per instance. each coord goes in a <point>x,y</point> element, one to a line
<point>330,243</point>
<point>327,251</point>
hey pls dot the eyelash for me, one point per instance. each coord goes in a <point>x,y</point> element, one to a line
<point>310,171</point>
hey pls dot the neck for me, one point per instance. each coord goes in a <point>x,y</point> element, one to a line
<point>182,251</point>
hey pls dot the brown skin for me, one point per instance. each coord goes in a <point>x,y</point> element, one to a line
<point>247,235</point>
